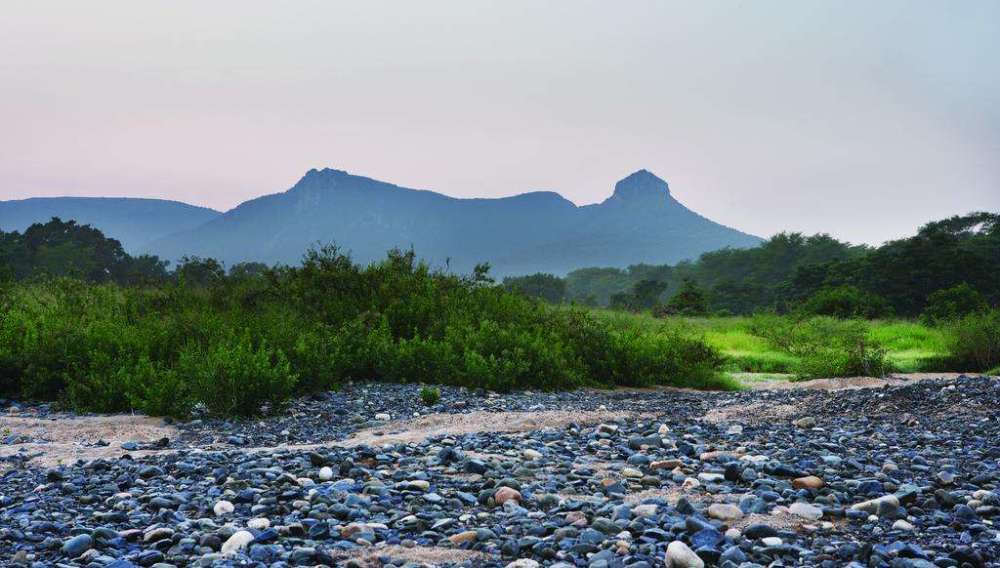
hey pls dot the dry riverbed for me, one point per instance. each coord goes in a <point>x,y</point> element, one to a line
<point>370,476</point>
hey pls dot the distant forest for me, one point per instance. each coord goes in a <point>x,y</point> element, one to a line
<point>955,260</point>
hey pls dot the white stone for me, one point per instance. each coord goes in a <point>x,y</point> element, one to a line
<point>679,555</point>
<point>383,417</point>
<point>237,542</point>
<point>260,523</point>
<point>325,474</point>
<point>647,510</point>
<point>902,525</point>
<point>724,512</point>
<point>531,455</point>
<point>419,484</point>
<point>690,483</point>
<point>663,430</point>
<point>771,541</point>
<point>524,563</point>
<point>708,477</point>
<point>871,506</point>
<point>223,508</point>
<point>806,511</point>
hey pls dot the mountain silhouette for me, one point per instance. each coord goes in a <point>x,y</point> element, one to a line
<point>531,232</point>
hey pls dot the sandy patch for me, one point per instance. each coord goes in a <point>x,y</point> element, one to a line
<point>751,413</point>
<point>69,438</point>
<point>671,494</point>
<point>369,556</point>
<point>850,383</point>
<point>419,429</point>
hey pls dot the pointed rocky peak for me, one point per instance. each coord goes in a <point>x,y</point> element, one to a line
<point>314,176</point>
<point>641,186</point>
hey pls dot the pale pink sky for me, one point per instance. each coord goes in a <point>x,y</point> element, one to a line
<point>862,119</point>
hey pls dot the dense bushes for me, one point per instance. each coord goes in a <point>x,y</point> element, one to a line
<point>953,303</point>
<point>845,302</point>
<point>975,341</point>
<point>237,344</point>
<point>824,346</point>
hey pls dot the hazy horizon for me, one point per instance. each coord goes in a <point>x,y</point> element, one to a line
<point>859,120</point>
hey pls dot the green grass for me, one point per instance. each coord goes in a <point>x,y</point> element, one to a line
<point>911,346</point>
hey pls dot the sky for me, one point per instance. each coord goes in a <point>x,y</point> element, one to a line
<point>855,118</point>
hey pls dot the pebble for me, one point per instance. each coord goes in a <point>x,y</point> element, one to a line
<point>77,545</point>
<point>896,476</point>
<point>223,508</point>
<point>724,512</point>
<point>238,541</point>
<point>806,511</point>
<point>808,482</point>
<point>679,555</point>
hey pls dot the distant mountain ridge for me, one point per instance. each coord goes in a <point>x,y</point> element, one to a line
<point>531,232</point>
<point>133,221</point>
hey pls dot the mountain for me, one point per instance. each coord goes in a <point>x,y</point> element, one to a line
<point>531,232</point>
<point>135,222</point>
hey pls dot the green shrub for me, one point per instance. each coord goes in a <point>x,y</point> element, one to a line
<point>975,340</point>
<point>234,377</point>
<point>824,346</point>
<point>690,300</point>
<point>158,390</point>
<point>247,341</point>
<point>430,395</point>
<point>949,304</point>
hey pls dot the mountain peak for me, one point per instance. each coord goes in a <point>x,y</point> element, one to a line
<point>641,185</point>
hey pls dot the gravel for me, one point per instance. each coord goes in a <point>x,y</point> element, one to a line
<point>902,476</point>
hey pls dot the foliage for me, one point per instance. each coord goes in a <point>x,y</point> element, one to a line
<point>243,342</point>
<point>430,395</point>
<point>64,248</point>
<point>975,340</point>
<point>845,302</point>
<point>643,296</point>
<point>547,287</point>
<point>690,300</point>
<point>948,304</point>
<point>828,276</point>
<point>235,377</point>
<point>824,346</point>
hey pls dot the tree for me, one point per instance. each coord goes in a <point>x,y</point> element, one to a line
<point>845,302</point>
<point>546,287</point>
<point>197,271</point>
<point>953,303</point>
<point>690,300</point>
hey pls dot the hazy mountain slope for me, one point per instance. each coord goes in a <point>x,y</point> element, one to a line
<point>135,222</point>
<point>640,222</point>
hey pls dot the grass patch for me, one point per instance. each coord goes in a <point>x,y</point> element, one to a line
<point>908,346</point>
<point>911,346</point>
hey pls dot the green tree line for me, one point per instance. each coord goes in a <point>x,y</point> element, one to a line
<point>949,264</point>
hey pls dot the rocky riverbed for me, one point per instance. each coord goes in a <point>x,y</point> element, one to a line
<point>894,473</point>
